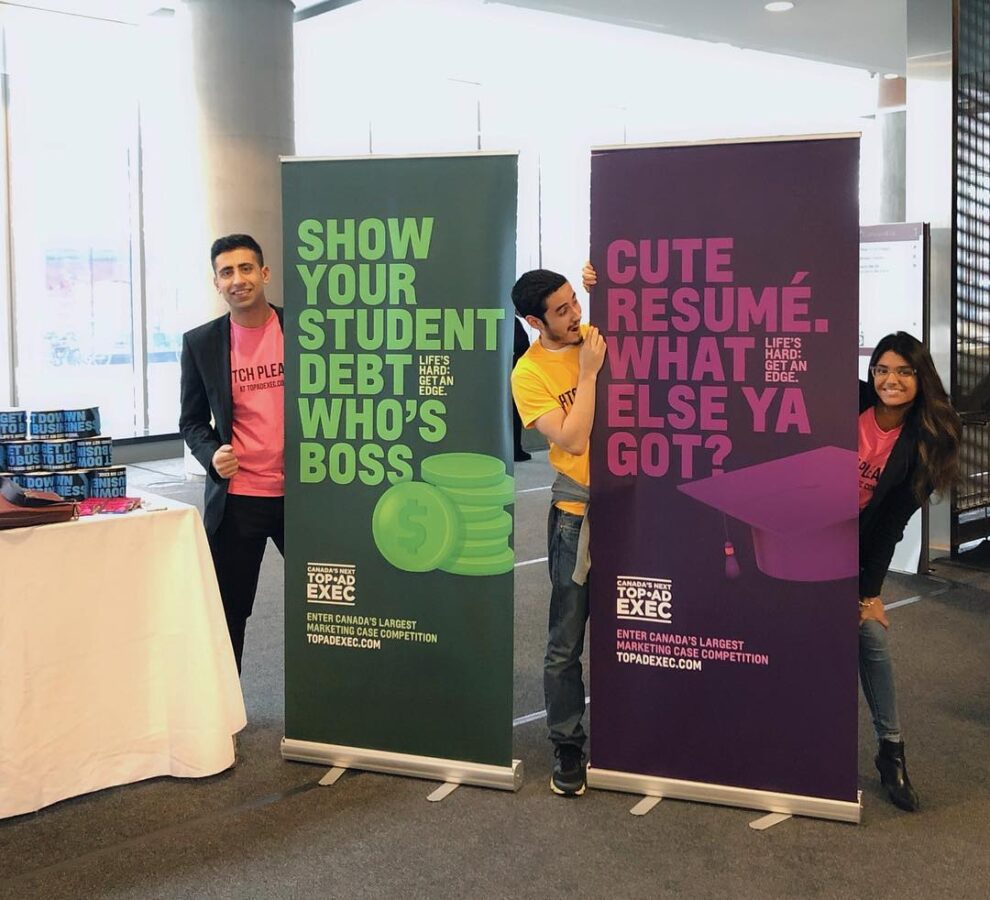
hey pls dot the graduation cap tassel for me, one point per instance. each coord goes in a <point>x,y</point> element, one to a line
<point>731,563</point>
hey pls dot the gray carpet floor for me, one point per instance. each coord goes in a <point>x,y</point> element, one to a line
<point>267,829</point>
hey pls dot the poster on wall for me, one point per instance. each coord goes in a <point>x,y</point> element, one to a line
<point>724,507</point>
<point>892,289</point>
<point>399,485</point>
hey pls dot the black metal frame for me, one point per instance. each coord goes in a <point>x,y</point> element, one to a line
<point>970,322</point>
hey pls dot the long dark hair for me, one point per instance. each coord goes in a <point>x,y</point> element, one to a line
<point>939,428</point>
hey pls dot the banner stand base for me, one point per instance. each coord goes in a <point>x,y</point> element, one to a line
<point>454,771</point>
<point>442,792</point>
<point>768,821</point>
<point>724,795</point>
<point>332,777</point>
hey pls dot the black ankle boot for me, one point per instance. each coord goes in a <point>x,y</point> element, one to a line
<point>894,777</point>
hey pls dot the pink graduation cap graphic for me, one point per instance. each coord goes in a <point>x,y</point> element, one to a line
<point>802,510</point>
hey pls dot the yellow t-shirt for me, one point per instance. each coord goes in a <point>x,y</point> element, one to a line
<point>542,381</point>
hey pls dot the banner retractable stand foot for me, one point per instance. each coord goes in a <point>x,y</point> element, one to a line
<point>455,771</point>
<point>724,795</point>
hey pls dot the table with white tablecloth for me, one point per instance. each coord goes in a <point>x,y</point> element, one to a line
<point>115,663</point>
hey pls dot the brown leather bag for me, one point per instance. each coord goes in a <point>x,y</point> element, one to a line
<point>20,508</point>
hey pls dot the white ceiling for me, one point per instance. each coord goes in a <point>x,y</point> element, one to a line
<point>867,34</point>
<point>115,10</point>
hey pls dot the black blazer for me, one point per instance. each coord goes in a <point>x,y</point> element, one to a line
<point>882,520</point>
<point>206,405</point>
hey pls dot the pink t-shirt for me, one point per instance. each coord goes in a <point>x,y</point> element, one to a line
<point>874,450</point>
<point>257,358</point>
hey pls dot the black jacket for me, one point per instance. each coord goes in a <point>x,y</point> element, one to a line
<point>206,405</point>
<point>882,520</point>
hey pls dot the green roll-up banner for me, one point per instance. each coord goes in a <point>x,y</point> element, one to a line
<point>399,490</point>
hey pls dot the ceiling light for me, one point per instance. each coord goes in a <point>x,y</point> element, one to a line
<point>779,6</point>
<point>890,76</point>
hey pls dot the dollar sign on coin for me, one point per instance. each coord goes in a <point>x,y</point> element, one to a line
<point>412,534</point>
<point>416,527</point>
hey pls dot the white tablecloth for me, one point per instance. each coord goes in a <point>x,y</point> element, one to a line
<point>115,664</point>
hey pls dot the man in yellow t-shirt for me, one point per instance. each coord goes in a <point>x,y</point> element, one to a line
<point>553,386</point>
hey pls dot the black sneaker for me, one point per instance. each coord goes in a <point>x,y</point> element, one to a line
<point>568,778</point>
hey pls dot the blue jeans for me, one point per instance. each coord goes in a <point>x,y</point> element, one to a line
<point>876,674</point>
<point>563,685</point>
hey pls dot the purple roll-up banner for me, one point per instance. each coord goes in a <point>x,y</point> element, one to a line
<point>724,513</point>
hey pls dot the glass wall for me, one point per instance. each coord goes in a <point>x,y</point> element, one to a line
<point>83,329</point>
<point>72,144</point>
<point>105,195</point>
<point>492,77</point>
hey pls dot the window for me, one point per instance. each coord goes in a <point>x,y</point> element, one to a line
<point>496,77</point>
<point>72,149</point>
<point>85,325</point>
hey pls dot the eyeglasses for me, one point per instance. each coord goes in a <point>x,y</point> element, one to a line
<point>899,371</point>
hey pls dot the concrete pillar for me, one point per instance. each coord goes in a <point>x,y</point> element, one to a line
<point>893,123</point>
<point>242,84</point>
<point>242,80</point>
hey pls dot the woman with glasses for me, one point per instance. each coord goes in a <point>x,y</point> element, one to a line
<point>908,448</point>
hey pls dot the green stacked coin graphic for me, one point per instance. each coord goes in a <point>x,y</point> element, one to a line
<point>452,520</point>
<point>415,527</point>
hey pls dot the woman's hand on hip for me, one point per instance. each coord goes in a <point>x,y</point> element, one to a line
<point>872,608</point>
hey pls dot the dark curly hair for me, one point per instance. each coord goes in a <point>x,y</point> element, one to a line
<point>530,292</point>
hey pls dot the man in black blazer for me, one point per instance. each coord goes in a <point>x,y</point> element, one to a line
<point>231,417</point>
